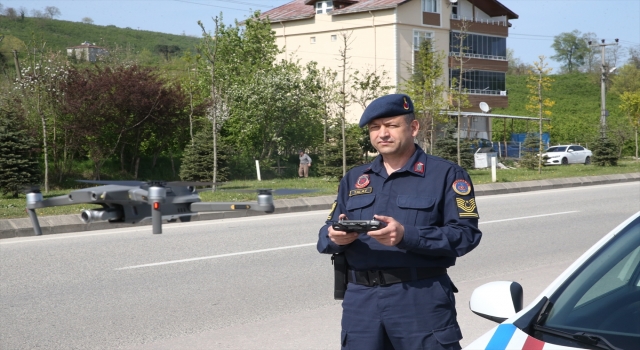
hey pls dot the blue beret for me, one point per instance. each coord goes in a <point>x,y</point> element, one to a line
<point>387,106</point>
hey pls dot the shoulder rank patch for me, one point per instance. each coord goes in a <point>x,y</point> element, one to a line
<point>461,187</point>
<point>333,208</point>
<point>418,167</point>
<point>467,208</point>
<point>362,181</point>
<point>360,191</point>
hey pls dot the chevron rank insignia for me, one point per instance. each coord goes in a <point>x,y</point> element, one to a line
<point>467,208</point>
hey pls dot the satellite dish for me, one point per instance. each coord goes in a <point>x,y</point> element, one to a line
<point>484,107</point>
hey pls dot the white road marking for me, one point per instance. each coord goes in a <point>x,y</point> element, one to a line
<point>216,256</point>
<point>165,227</point>
<point>299,246</point>
<point>530,217</point>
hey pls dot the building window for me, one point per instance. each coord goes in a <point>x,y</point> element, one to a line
<point>481,82</point>
<point>324,7</point>
<point>419,36</point>
<point>479,46</point>
<point>334,37</point>
<point>430,6</point>
<point>454,11</point>
<point>312,40</point>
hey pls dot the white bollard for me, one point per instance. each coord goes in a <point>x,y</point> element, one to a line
<point>258,169</point>
<point>493,169</point>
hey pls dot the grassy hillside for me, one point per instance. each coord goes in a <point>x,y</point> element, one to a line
<point>576,114</point>
<point>59,35</point>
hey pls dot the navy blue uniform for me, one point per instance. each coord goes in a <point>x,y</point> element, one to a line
<point>433,199</point>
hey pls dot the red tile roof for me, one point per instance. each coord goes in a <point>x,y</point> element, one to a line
<point>301,9</point>
<point>297,9</point>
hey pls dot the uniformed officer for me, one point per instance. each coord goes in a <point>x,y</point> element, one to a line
<point>399,295</point>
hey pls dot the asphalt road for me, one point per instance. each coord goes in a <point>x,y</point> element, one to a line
<point>258,282</point>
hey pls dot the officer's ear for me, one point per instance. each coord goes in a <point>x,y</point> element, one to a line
<point>415,126</point>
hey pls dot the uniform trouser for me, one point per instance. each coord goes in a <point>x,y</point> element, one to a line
<point>411,315</point>
<point>303,170</point>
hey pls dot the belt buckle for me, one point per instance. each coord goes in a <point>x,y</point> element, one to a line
<point>375,278</point>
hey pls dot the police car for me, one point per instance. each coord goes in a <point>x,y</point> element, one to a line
<point>594,304</point>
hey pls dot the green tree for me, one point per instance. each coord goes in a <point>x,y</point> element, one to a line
<point>18,161</point>
<point>447,147</point>
<point>571,50</point>
<point>604,152</point>
<point>331,165</point>
<point>530,158</point>
<point>630,105</point>
<point>426,88</point>
<point>458,97</point>
<point>539,83</point>
<point>196,162</point>
<point>627,79</point>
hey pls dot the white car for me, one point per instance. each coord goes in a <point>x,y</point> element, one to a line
<point>594,304</point>
<point>567,154</point>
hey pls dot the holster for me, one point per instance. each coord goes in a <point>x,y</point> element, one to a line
<point>340,267</point>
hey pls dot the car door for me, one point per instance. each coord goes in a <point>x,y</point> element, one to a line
<point>580,153</point>
<point>573,156</point>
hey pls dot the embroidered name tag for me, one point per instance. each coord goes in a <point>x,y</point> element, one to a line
<point>360,191</point>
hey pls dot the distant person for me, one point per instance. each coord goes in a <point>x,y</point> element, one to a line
<point>305,163</point>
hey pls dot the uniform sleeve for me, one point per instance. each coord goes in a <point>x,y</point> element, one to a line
<point>456,232</point>
<point>325,245</point>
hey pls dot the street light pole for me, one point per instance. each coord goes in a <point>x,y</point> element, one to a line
<point>603,79</point>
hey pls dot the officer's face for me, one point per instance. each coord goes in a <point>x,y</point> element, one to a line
<point>393,136</point>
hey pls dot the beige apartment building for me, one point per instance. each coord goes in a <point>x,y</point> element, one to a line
<point>385,34</point>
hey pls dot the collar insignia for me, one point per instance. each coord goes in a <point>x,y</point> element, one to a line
<point>363,181</point>
<point>461,187</point>
<point>418,167</point>
<point>360,191</point>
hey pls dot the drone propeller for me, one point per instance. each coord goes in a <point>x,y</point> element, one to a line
<point>141,183</point>
<point>277,192</point>
<point>31,189</point>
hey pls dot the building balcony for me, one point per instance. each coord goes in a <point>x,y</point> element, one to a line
<point>498,27</point>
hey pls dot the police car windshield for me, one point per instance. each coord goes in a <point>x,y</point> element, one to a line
<point>603,296</point>
<point>557,149</point>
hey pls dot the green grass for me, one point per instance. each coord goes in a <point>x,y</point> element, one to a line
<point>15,207</point>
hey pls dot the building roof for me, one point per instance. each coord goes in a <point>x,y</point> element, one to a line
<point>302,9</point>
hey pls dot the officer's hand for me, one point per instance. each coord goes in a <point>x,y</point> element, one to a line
<point>341,237</point>
<point>391,234</point>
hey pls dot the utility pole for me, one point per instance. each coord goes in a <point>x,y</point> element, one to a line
<point>603,79</point>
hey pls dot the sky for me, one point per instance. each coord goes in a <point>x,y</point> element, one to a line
<point>530,36</point>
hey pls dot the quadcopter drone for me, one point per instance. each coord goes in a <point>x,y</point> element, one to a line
<point>136,201</point>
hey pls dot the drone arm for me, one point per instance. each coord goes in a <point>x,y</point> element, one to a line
<point>230,206</point>
<point>75,197</point>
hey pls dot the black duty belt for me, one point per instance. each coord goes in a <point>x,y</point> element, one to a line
<point>373,278</point>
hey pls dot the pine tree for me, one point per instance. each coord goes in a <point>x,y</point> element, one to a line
<point>18,161</point>
<point>604,152</point>
<point>447,148</point>
<point>331,164</point>
<point>197,161</point>
<point>530,151</point>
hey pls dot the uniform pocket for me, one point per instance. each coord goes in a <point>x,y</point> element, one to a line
<point>448,336</point>
<point>360,207</point>
<point>343,339</point>
<point>418,209</point>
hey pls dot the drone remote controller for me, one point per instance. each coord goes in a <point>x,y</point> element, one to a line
<point>359,226</point>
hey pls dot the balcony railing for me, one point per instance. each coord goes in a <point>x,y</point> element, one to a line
<point>497,22</point>
<point>476,55</point>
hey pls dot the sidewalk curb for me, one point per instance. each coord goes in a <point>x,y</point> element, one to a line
<point>10,228</point>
